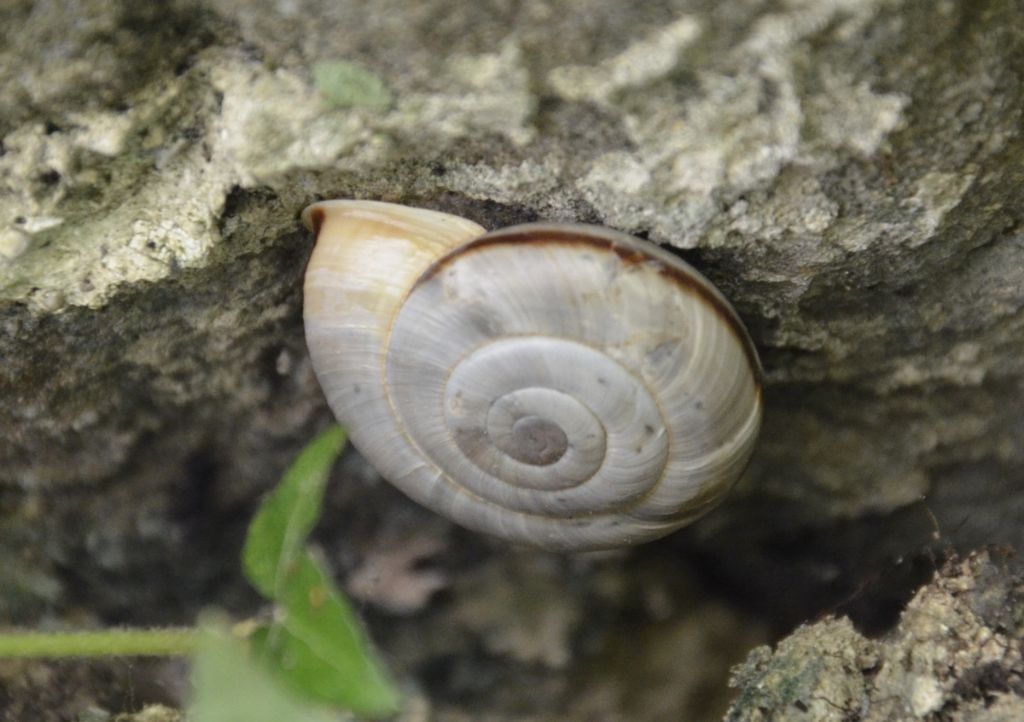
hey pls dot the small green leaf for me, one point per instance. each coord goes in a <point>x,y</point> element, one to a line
<point>277,534</point>
<point>318,647</point>
<point>229,687</point>
<point>348,85</point>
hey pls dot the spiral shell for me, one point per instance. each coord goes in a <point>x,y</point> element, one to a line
<point>562,386</point>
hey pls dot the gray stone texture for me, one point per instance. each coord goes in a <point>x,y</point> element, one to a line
<point>956,655</point>
<point>849,172</point>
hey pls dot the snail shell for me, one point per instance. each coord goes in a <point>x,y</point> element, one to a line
<point>562,386</point>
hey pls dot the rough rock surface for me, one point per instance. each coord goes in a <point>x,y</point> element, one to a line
<point>956,654</point>
<point>58,691</point>
<point>848,172</point>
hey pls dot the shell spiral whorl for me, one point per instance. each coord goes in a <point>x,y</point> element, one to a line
<point>564,386</point>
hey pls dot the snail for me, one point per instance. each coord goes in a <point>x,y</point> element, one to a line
<point>562,386</point>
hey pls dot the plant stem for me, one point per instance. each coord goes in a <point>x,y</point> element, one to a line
<point>168,642</point>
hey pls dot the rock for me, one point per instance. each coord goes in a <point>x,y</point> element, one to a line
<point>85,691</point>
<point>956,654</point>
<point>847,172</point>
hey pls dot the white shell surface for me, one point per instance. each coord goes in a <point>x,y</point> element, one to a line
<point>561,386</point>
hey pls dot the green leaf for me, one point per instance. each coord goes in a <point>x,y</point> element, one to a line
<point>229,687</point>
<point>348,85</point>
<point>277,535</point>
<point>318,647</point>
